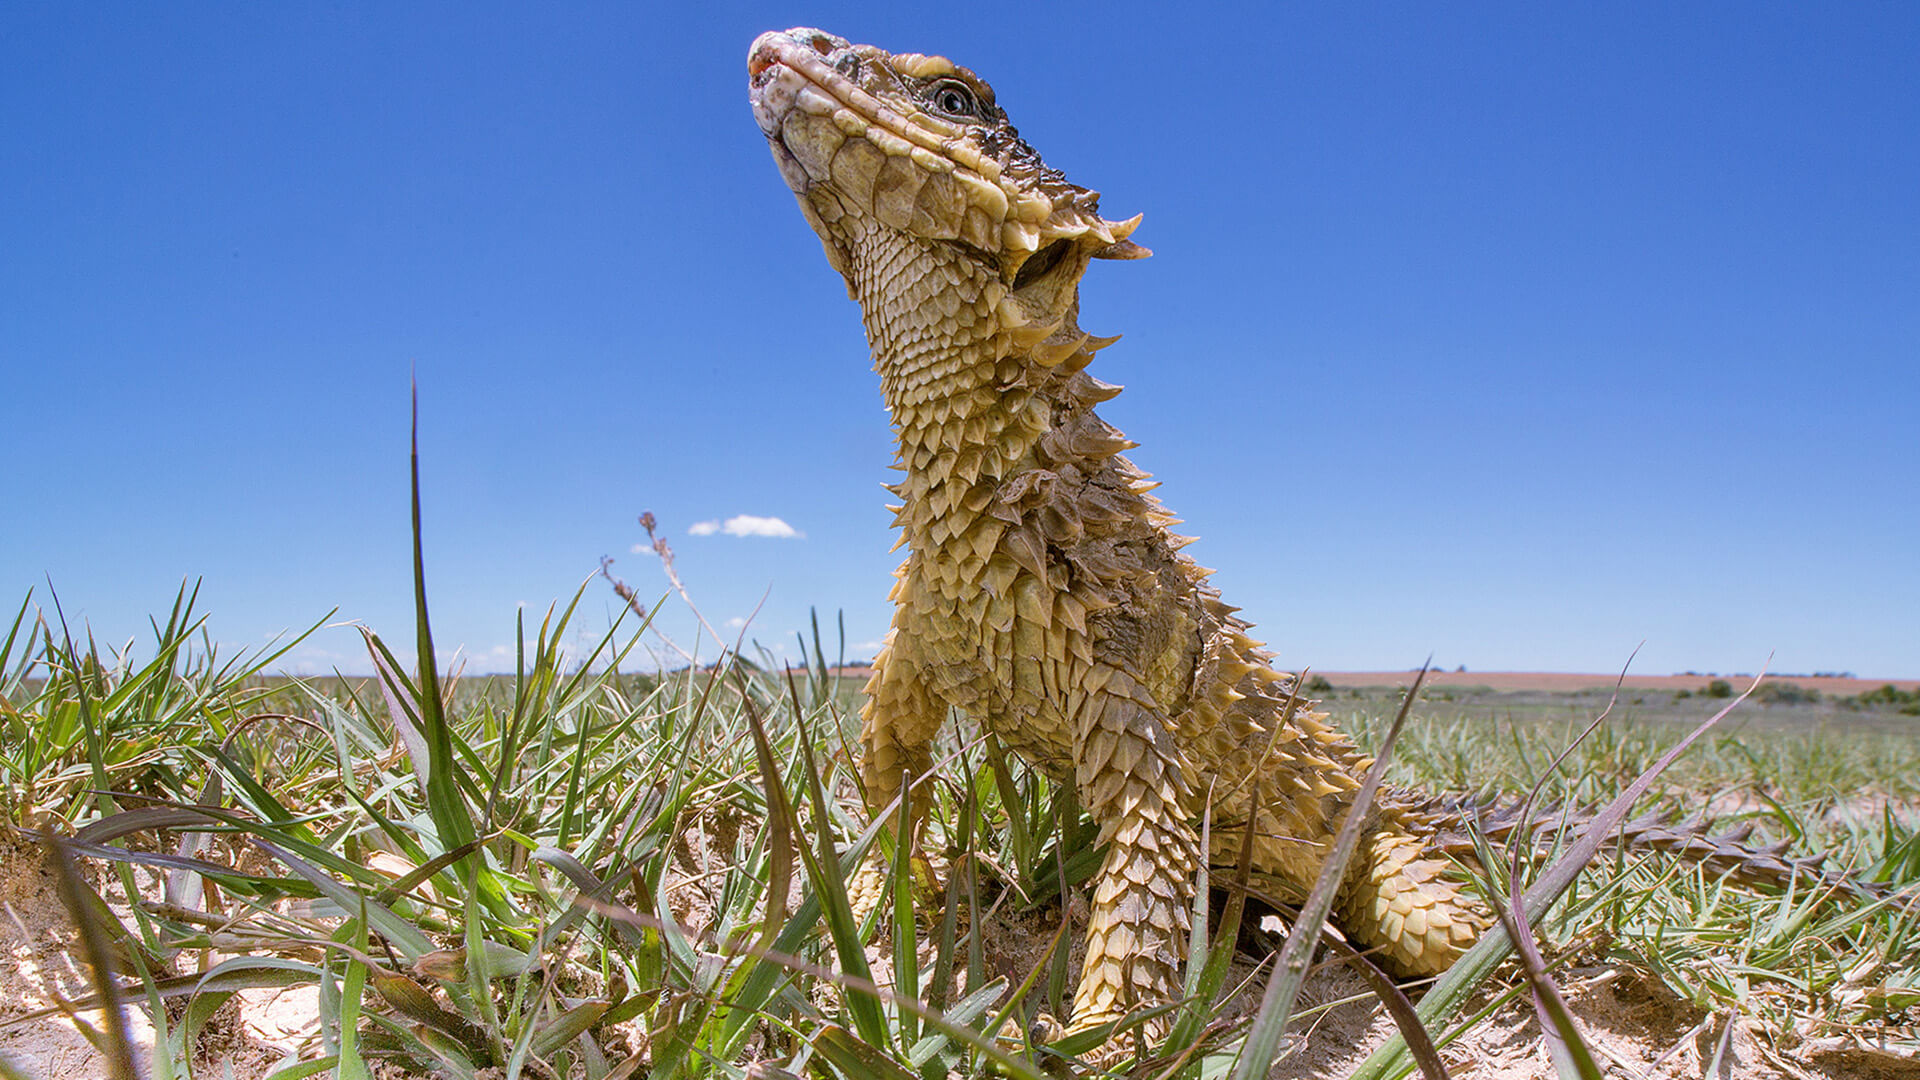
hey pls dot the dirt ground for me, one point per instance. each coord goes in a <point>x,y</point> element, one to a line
<point>1637,1027</point>
<point>252,1036</point>
<point>1634,1023</point>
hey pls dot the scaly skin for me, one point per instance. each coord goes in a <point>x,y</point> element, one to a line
<point>1044,593</point>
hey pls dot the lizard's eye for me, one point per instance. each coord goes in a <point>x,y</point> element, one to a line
<point>848,65</point>
<point>954,99</point>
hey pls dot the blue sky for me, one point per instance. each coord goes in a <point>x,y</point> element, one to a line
<point>1512,334</point>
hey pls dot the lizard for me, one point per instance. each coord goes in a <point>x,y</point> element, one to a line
<point>1045,593</point>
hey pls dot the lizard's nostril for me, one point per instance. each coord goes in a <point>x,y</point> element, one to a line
<point>764,53</point>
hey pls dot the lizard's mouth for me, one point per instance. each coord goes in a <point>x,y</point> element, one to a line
<point>774,87</point>
<point>767,49</point>
<point>776,73</point>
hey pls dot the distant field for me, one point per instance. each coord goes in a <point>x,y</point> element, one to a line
<point>1567,681</point>
<point>1561,681</point>
<point>1855,708</point>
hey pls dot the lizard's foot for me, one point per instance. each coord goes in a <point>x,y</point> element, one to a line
<point>870,889</point>
<point>866,889</point>
<point>1043,1037</point>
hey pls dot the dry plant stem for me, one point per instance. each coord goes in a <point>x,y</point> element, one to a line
<point>118,1045</point>
<point>660,548</point>
<point>625,592</point>
<point>621,589</point>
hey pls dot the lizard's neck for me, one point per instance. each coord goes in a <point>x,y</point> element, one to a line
<point>932,319</point>
<point>963,396</point>
<point>992,411</point>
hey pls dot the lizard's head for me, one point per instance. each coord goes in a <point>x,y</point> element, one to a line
<point>916,144</point>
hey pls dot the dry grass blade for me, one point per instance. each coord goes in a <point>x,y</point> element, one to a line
<point>1290,971</point>
<point>95,945</point>
<point>782,825</point>
<point>239,973</point>
<point>399,932</point>
<point>1444,1000</point>
<point>1571,1055</point>
<point>1406,1019</point>
<point>1572,1058</point>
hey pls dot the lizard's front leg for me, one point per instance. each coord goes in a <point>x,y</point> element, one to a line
<point>897,727</point>
<point>1130,781</point>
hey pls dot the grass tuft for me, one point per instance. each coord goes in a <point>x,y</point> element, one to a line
<point>578,869</point>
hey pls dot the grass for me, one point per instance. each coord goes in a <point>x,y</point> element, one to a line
<point>1817,758</point>
<point>584,870</point>
<point>589,871</point>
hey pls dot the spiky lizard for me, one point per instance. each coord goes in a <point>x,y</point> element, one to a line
<point>1045,593</point>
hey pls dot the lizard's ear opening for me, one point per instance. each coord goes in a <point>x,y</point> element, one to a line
<point>1038,264</point>
<point>1045,287</point>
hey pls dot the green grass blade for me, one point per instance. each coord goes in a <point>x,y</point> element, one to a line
<point>401,933</point>
<point>825,872</point>
<point>906,961</point>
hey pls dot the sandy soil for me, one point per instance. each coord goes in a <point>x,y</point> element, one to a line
<point>1639,1028</point>
<point>1634,1022</point>
<point>250,1036</point>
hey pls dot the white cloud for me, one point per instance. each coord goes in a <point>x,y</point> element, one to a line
<point>735,623</point>
<point>642,549</point>
<point>747,525</point>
